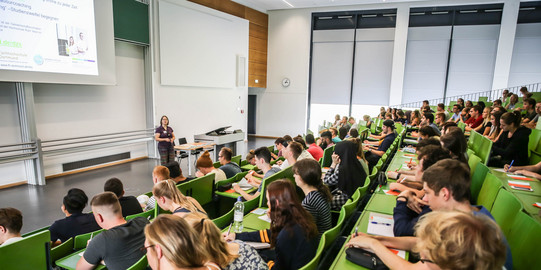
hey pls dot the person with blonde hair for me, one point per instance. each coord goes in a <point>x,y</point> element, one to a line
<point>228,255</point>
<point>447,240</point>
<point>171,243</point>
<point>171,199</point>
<point>205,166</point>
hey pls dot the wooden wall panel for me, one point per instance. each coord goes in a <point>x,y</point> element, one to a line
<point>258,36</point>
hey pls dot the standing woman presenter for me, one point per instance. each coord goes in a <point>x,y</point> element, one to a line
<point>166,140</point>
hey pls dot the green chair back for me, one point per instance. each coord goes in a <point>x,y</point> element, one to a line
<point>251,204</point>
<point>233,179</point>
<point>478,177</point>
<point>327,156</point>
<point>535,157</point>
<point>225,220</point>
<point>81,240</point>
<point>483,99</point>
<point>35,231</point>
<point>141,264</point>
<point>473,160</point>
<point>331,234</point>
<point>28,253</point>
<point>201,189</point>
<point>147,214</point>
<point>312,265</point>
<point>217,164</point>
<point>461,126</point>
<point>480,145</point>
<point>285,173</point>
<point>236,159</point>
<point>505,209</point>
<point>489,191</point>
<point>535,140</point>
<point>524,239</point>
<point>271,148</point>
<point>62,250</point>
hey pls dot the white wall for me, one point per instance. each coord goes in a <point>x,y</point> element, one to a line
<point>198,109</point>
<point>289,56</point>
<point>525,66</point>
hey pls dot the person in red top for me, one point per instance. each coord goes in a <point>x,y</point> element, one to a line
<point>476,118</point>
<point>313,149</point>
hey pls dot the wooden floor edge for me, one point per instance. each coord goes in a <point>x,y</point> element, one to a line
<point>94,167</point>
<point>13,184</point>
<point>262,136</point>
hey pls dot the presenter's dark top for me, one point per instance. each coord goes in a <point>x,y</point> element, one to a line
<point>165,134</point>
<point>130,205</point>
<point>79,223</point>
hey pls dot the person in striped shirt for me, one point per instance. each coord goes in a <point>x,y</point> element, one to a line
<point>317,200</point>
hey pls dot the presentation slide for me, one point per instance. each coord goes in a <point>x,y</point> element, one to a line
<point>56,36</point>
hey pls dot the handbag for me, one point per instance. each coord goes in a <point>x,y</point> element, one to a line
<point>365,259</point>
<point>382,178</point>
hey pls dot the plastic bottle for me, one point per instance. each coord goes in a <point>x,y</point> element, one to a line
<point>238,216</point>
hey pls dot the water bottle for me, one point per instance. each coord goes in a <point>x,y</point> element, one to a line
<point>238,216</point>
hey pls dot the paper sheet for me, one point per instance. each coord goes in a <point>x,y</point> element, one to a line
<point>380,224</point>
<point>259,211</point>
<point>258,245</point>
<point>265,218</point>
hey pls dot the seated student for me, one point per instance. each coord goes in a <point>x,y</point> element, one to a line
<point>304,154</point>
<point>438,235</point>
<point>415,118</point>
<point>525,93</point>
<point>528,170</point>
<point>513,100</point>
<point>427,132</point>
<point>445,127</point>
<point>533,123</point>
<point>292,153</point>
<point>334,135</point>
<point>171,199</point>
<point>175,172</point>
<point>441,109</point>
<point>75,222</point>
<point>353,133</point>
<point>497,103</point>
<point>230,168</point>
<point>343,132</point>
<point>352,124</point>
<point>440,119</point>
<point>428,119</point>
<point>456,114</point>
<point>373,155</point>
<point>317,198</point>
<point>262,162</point>
<point>513,142</point>
<point>402,119</point>
<point>293,233</point>
<point>368,121</point>
<point>129,204</point>
<point>171,243</point>
<point>228,255</point>
<point>346,173</point>
<point>484,127</point>
<point>446,186</point>
<point>11,222</point>
<point>360,154</point>
<point>205,166</point>
<point>460,102</point>
<point>313,149</point>
<point>464,115</point>
<point>455,142</point>
<point>120,245</point>
<point>529,107</point>
<point>325,140</point>
<point>336,120</point>
<point>495,129</point>
<point>469,104</point>
<point>476,118</point>
<point>279,144</point>
<point>159,173</point>
<point>250,157</point>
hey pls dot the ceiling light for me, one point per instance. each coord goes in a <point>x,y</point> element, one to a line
<point>289,4</point>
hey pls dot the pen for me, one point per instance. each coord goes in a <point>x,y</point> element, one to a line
<point>356,231</point>
<point>510,165</point>
<point>410,160</point>
<point>229,230</point>
<point>380,223</point>
<point>91,235</point>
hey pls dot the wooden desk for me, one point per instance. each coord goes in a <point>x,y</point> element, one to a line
<point>189,147</point>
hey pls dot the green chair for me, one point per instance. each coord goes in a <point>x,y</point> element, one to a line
<point>62,250</point>
<point>35,231</point>
<point>484,148</point>
<point>489,191</point>
<point>473,160</point>
<point>285,173</point>
<point>236,159</point>
<point>327,157</point>
<point>201,189</point>
<point>233,179</point>
<point>524,239</point>
<point>245,166</point>
<point>483,99</point>
<point>505,209</point>
<point>331,234</point>
<point>141,264</point>
<point>461,126</point>
<point>28,253</point>
<point>477,179</point>
<point>535,139</point>
<point>225,220</point>
<point>535,157</point>
<point>217,164</point>
<point>81,240</point>
<point>148,215</point>
<point>312,265</point>
<point>251,204</point>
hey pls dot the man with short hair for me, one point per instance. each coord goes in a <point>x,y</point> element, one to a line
<point>230,168</point>
<point>373,154</point>
<point>533,123</point>
<point>497,103</point>
<point>334,133</point>
<point>279,144</point>
<point>262,161</point>
<point>159,173</point>
<point>326,140</point>
<point>456,113</point>
<point>529,107</point>
<point>440,119</point>
<point>313,149</point>
<point>428,119</point>
<point>119,246</point>
<point>476,118</point>
<point>352,123</point>
<point>446,185</point>
<point>76,222</point>
<point>11,222</point>
<point>441,109</point>
<point>130,205</point>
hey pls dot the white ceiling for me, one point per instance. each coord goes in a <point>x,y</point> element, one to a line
<point>265,5</point>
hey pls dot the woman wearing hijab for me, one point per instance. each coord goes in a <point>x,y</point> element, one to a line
<point>346,173</point>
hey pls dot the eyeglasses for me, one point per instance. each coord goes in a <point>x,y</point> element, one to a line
<point>426,261</point>
<point>144,249</point>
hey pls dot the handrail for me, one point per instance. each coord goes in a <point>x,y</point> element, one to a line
<point>86,141</point>
<point>99,135</point>
<point>491,95</point>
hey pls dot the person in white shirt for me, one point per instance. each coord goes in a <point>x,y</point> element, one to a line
<point>82,46</point>
<point>11,222</point>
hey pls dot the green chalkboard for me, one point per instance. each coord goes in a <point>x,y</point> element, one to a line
<point>131,21</point>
